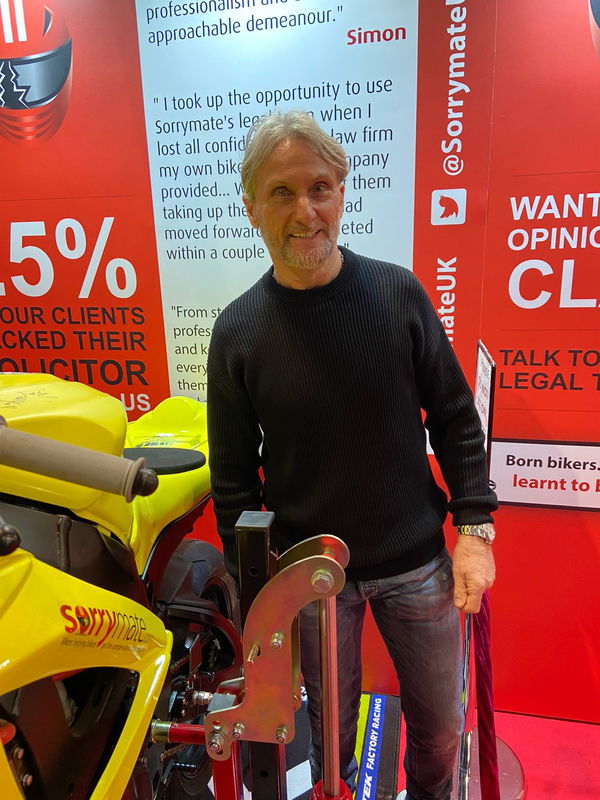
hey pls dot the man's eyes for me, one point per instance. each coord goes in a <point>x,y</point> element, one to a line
<point>318,188</point>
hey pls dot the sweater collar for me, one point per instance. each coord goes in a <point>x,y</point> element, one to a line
<point>341,281</point>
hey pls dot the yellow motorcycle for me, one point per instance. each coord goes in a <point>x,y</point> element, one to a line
<point>109,615</point>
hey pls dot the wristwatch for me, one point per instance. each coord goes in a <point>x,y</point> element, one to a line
<point>485,531</point>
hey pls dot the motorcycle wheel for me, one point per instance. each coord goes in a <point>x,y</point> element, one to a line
<point>188,771</point>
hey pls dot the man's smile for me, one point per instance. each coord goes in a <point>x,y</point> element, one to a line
<point>305,235</point>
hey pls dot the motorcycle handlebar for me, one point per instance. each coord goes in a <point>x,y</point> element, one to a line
<point>74,464</point>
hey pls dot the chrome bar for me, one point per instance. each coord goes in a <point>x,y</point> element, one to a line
<point>468,706</point>
<point>330,716</point>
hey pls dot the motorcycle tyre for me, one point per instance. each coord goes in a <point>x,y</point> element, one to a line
<point>192,784</point>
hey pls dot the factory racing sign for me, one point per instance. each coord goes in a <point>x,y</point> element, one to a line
<point>367,782</point>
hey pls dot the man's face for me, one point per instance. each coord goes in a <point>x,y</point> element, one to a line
<point>297,207</point>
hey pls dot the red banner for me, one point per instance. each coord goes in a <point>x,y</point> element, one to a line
<point>541,287</point>
<point>79,291</point>
<point>456,41</point>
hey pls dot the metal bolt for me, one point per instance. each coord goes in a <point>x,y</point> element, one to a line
<point>202,698</point>
<point>238,730</point>
<point>281,734</point>
<point>277,640</point>
<point>216,742</point>
<point>19,753</point>
<point>322,581</point>
<point>254,652</point>
<point>27,779</point>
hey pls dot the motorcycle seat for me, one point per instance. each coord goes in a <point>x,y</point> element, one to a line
<point>167,460</point>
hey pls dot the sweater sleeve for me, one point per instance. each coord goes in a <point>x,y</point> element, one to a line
<point>451,419</point>
<point>234,440</point>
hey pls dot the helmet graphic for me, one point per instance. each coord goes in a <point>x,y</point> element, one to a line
<point>35,70</point>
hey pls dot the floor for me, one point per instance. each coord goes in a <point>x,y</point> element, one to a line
<point>560,759</point>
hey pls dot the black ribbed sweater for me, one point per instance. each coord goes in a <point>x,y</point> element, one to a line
<point>335,377</point>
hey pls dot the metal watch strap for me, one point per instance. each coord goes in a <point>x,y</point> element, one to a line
<point>485,531</point>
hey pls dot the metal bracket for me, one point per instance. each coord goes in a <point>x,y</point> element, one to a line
<point>312,570</point>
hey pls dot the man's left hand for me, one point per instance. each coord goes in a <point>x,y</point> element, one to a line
<point>474,572</point>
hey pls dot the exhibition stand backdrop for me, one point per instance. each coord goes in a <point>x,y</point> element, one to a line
<point>471,129</point>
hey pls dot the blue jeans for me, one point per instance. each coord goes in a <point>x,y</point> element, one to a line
<point>420,627</point>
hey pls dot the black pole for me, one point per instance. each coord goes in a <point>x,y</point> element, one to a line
<point>252,531</point>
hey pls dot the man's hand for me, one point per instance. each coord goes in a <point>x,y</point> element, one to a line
<point>474,572</point>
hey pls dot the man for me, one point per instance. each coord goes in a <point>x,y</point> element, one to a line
<point>318,374</point>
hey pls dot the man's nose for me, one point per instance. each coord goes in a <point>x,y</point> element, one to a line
<point>304,211</point>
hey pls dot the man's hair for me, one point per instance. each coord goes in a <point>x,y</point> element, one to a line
<point>273,129</point>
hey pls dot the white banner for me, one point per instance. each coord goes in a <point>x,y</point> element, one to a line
<point>209,70</point>
<point>562,474</point>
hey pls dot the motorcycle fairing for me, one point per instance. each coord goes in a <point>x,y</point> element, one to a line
<point>107,629</point>
<point>175,422</point>
<point>68,412</point>
<point>75,546</point>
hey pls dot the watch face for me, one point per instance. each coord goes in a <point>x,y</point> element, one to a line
<point>485,531</point>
